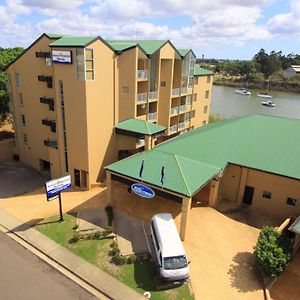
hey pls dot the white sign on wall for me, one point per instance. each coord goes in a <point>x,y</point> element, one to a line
<point>61,57</point>
<point>55,186</point>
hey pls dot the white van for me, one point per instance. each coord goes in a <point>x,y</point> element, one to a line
<point>171,258</point>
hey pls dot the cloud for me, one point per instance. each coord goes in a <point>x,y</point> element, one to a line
<point>286,24</point>
<point>53,4</point>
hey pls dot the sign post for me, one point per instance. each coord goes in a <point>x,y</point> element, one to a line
<point>54,188</point>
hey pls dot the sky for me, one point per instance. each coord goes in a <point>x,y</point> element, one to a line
<point>232,29</point>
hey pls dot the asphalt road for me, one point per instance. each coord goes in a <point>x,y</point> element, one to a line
<point>24,276</point>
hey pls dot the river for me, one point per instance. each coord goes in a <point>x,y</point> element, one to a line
<point>228,104</point>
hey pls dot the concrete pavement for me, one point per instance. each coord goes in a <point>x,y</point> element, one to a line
<point>108,285</point>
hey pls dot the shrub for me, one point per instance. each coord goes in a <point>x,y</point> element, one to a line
<point>75,227</point>
<point>131,259</point>
<point>119,260</point>
<point>75,238</point>
<point>273,251</point>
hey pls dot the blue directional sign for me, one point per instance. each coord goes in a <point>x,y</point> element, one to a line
<point>142,190</point>
<point>55,186</point>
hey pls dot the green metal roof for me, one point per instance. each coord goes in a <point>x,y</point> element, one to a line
<point>265,143</point>
<point>149,46</point>
<point>295,227</point>
<point>183,52</point>
<point>202,72</point>
<point>73,41</point>
<point>54,35</point>
<point>140,126</point>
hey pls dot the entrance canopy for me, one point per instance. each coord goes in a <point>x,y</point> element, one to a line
<point>139,128</point>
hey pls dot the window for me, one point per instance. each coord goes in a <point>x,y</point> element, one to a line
<point>195,80</point>
<point>18,79</point>
<point>267,195</point>
<point>291,201</point>
<point>48,61</point>
<point>206,94</point>
<point>163,83</point>
<point>20,99</point>
<point>208,79</point>
<point>22,119</point>
<point>194,97</point>
<point>125,90</point>
<point>89,64</point>
<point>205,109</point>
<point>25,139</point>
<point>193,114</point>
<point>80,63</point>
<point>203,122</point>
<point>155,237</point>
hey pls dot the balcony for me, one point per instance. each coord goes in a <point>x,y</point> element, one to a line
<point>174,110</point>
<point>49,143</point>
<point>47,79</point>
<point>48,101</point>
<point>42,54</point>
<point>182,108</point>
<point>152,116</point>
<point>50,123</point>
<point>142,74</point>
<point>176,92</point>
<point>140,142</point>
<point>152,95</point>
<point>184,90</point>
<point>141,97</point>
<point>173,128</point>
<point>181,125</point>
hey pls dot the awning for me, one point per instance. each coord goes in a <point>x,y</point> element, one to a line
<point>295,227</point>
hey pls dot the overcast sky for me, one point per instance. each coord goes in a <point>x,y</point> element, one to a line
<point>214,28</point>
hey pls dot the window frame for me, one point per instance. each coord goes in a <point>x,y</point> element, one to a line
<point>294,201</point>
<point>267,195</point>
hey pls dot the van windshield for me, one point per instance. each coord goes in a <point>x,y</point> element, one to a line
<point>175,262</point>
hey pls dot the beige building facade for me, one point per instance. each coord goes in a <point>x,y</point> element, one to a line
<point>69,93</point>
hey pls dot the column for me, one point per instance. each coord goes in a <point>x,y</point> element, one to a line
<point>213,193</point>
<point>108,188</point>
<point>242,184</point>
<point>147,142</point>
<point>185,210</point>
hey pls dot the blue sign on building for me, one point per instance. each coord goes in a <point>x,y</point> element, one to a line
<point>142,190</point>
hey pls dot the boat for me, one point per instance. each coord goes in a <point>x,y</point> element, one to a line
<point>268,103</point>
<point>243,91</point>
<point>264,95</point>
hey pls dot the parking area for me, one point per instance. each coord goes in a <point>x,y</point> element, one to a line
<point>17,178</point>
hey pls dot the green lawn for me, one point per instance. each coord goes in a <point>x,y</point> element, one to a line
<point>140,276</point>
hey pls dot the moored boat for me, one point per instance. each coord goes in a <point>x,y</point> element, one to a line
<point>268,103</point>
<point>243,91</point>
<point>264,95</point>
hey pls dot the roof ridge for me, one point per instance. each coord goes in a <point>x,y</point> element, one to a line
<point>182,175</point>
<point>147,127</point>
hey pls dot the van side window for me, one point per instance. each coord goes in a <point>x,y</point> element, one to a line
<point>155,237</point>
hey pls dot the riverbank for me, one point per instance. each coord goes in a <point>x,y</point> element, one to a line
<point>283,86</point>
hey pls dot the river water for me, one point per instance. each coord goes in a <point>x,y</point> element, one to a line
<point>228,104</point>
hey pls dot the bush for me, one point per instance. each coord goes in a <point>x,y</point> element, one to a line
<point>119,260</point>
<point>75,238</point>
<point>75,227</point>
<point>273,251</point>
<point>131,259</point>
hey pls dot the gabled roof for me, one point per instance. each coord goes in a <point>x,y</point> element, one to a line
<point>54,35</point>
<point>202,72</point>
<point>183,52</point>
<point>148,46</point>
<point>140,126</point>
<point>73,41</point>
<point>182,175</point>
<point>266,143</point>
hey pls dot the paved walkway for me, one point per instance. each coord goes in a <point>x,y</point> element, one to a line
<point>100,280</point>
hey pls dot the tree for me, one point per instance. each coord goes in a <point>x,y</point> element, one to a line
<point>6,56</point>
<point>273,251</point>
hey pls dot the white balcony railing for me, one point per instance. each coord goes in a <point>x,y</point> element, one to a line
<point>152,116</point>
<point>184,90</point>
<point>140,142</point>
<point>174,111</point>
<point>142,74</point>
<point>175,92</point>
<point>141,97</point>
<point>181,125</point>
<point>182,108</point>
<point>153,95</point>
<point>173,128</point>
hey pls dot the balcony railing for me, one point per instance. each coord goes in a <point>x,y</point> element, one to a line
<point>174,111</point>
<point>50,123</point>
<point>48,101</point>
<point>140,142</point>
<point>181,125</point>
<point>49,143</point>
<point>152,95</point>
<point>142,74</point>
<point>182,108</point>
<point>176,92</point>
<point>173,128</point>
<point>141,97</point>
<point>152,116</point>
<point>184,90</point>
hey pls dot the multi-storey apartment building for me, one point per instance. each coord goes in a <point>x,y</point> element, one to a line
<point>80,103</point>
